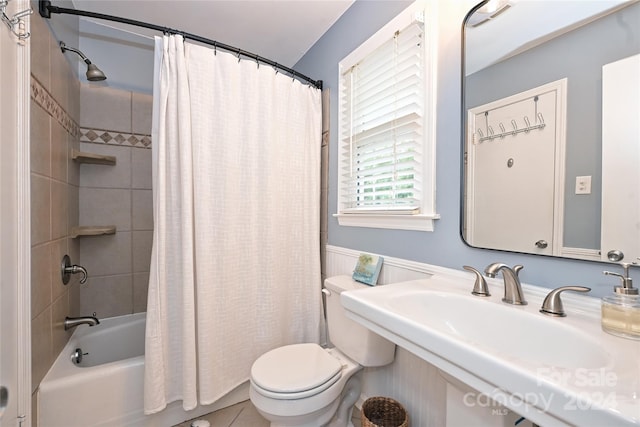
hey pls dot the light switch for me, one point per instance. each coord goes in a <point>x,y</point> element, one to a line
<point>583,184</point>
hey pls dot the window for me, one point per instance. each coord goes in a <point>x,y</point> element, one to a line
<point>386,166</point>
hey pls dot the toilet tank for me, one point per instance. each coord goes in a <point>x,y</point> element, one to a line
<point>354,340</point>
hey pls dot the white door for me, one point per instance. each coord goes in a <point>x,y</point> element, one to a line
<point>620,158</point>
<point>513,177</point>
<point>15,395</point>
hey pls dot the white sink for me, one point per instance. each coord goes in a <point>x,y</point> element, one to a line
<point>553,371</point>
<point>501,329</point>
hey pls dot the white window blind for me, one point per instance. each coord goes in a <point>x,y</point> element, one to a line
<point>382,109</point>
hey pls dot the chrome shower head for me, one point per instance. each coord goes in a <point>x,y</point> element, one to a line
<point>94,74</point>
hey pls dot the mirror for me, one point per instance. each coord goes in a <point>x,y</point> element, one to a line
<point>551,141</point>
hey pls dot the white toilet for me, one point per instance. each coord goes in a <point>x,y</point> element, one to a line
<point>305,385</point>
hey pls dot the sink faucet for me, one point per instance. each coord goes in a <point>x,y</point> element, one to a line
<point>72,322</point>
<point>512,289</point>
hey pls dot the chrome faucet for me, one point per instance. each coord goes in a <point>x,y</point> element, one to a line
<point>72,322</point>
<point>480,287</point>
<point>552,304</point>
<point>512,288</point>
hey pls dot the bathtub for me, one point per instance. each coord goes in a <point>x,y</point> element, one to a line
<point>106,387</point>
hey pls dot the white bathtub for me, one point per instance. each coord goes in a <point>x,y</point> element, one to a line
<point>106,388</point>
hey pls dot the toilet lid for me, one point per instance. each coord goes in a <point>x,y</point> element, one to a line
<point>295,368</point>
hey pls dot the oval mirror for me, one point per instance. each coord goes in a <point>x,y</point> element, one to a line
<point>551,113</point>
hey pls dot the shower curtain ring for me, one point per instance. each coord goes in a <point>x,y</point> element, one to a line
<point>238,57</point>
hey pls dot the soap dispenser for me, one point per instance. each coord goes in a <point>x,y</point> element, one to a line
<point>621,310</point>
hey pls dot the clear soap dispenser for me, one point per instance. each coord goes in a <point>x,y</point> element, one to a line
<point>621,310</point>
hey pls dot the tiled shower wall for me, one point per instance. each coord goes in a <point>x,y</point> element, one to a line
<point>116,123</point>
<point>54,132</point>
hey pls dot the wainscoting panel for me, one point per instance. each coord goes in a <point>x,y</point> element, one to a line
<point>414,383</point>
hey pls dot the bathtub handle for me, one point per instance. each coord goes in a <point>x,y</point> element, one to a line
<point>68,270</point>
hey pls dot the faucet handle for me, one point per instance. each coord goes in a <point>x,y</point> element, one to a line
<point>517,269</point>
<point>552,304</point>
<point>67,270</point>
<point>480,287</point>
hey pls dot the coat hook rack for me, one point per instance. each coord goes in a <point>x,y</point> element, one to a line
<point>503,132</point>
<point>539,124</point>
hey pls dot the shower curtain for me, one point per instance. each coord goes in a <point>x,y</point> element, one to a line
<point>235,267</point>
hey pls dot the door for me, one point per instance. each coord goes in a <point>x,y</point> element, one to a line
<point>620,158</point>
<point>15,393</point>
<point>513,172</point>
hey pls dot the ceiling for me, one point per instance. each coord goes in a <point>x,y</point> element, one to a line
<point>279,30</point>
<point>284,30</point>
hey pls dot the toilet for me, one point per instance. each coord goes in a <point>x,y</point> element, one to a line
<point>305,385</point>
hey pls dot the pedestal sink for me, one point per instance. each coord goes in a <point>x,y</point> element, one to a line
<point>501,329</point>
<point>553,371</point>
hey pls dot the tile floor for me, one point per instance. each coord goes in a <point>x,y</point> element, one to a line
<point>244,414</point>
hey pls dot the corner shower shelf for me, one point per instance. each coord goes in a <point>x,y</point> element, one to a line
<point>96,159</point>
<point>92,230</point>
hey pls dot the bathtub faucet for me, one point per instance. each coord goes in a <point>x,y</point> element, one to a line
<point>72,322</point>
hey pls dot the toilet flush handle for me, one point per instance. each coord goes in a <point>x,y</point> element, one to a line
<point>326,291</point>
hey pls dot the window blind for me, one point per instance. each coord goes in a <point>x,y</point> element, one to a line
<point>382,104</point>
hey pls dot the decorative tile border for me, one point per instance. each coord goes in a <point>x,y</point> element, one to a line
<point>44,99</point>
<point>98,136</point>
<point>111,137</point>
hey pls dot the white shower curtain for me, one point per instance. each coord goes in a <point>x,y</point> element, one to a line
<point>235,267</point>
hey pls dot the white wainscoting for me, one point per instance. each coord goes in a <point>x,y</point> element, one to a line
<point>414,383</point>
<point>433,399</point>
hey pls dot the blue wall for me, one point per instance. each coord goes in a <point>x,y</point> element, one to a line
<point>444,246</point>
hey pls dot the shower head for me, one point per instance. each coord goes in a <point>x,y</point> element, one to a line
<point>94,74</point>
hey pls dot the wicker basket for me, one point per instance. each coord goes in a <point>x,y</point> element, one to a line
<point>383,412</point>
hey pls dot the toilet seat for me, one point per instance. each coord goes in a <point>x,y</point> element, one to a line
<point>295,371</point>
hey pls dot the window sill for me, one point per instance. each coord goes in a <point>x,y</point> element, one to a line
<point>420,222</point>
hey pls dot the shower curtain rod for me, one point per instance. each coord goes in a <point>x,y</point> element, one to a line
<point>46,9</point>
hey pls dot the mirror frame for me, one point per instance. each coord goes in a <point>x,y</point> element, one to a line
<point>463,157</point>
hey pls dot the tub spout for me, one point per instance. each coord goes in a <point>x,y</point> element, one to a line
<point>72,322</point>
